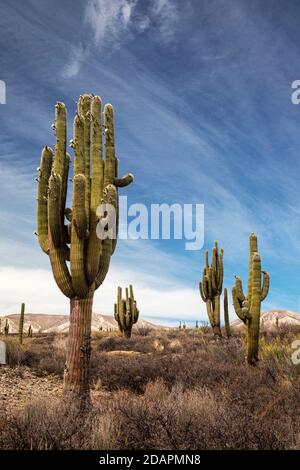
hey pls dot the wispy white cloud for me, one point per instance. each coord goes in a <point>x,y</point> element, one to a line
<point>77,56</point>
<point>108,19</point>
<point>111,22</point>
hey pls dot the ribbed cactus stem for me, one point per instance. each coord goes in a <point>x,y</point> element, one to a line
<point>126,312</point>
<point>21,323</point>
<point>69,234</point>
<point>248,307</point>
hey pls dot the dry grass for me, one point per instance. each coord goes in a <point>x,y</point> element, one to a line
<point>167,390</point>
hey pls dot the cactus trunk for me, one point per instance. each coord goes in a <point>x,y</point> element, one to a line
<point>77,368</point>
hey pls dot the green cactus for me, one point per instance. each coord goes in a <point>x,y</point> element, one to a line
<point>197,325</point>
<point>226,314</point>
<point>180,325</point>
<point>21,323</point>
<point>6,328</point>
<point>126,312</point>
<point>211,287</point>
<point>69,235</point>
<point>248,307</point>
<point>184,326</point>
<point>29,334</point>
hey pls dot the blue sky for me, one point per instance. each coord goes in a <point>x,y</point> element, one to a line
<point>202,96</point>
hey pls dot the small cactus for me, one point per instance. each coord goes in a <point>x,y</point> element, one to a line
<point>29,334</point>
<point>226,314</point>
<point>21,323</point>
<point>180,326</point>
<point>248,307</point>
<point>184,326</point>
<point>211,287</point>
<point>126,312</point>
<point>197,325</point>
<point>6,328</point>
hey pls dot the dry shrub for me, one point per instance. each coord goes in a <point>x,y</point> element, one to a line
<point>56,426</point>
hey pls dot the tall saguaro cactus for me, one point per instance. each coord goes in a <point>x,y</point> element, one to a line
<point>21,323</point>
<point>126,311</point>
<point>248,307</point>
<point>79,259</point>
<point>211,287</point>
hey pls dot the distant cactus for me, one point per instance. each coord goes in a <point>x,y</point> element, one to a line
<point>248,307</point>
<point>211,287</point>
<point>184,326</point>
<point>6,328</point>
<point>29,334</point>
<point>21,323</point>
<point>226,314</point>
<point>197,324</point>
<point>79,258</point>
<point>180,326</point>
<point>126,311</point>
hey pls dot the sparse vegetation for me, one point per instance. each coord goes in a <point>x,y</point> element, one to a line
<point>145,397</point>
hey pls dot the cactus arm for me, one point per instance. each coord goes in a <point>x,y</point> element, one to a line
<point>42,201</point>
<point>79,215</point>
<point>237,305</point>
<point>239,289</point>
<point>61,136</point>
<point>104,262</point>
<point>84,108</point>
<point>220,273</point>
<point>60,271</point>
<point>266,285</point>
<point>203,297</point>
<point>65,186</point>
<point>78,145</point>
<point>79,230</point>
<point>124,181</point>
<point>110,159</point>
<point>94,243</point>
<point>206,260</point>
<point>54,205</point>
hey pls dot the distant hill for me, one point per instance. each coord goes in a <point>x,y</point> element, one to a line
<point>268,319</point>
<point>46,323</point>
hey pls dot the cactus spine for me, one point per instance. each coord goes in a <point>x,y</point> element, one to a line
<point>226,314</point>
<point>126,312</point>
<point>211,287</point>
<point>69,235</point>
<point>21,323</point>
<point>248,307</point>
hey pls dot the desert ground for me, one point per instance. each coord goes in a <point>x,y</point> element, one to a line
<point>161,389</point>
